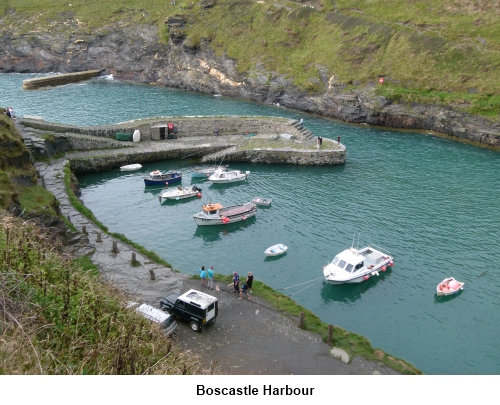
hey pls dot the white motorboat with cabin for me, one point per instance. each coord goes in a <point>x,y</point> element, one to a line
<point>180,193</point>
<point>356,265</point>
<point>276,250</point>
<point>129,168</point>
<point>216,214</point>
<point>228,176</point>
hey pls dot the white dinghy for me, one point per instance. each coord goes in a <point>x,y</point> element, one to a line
<point>276,250</point>
<point>129,168</point>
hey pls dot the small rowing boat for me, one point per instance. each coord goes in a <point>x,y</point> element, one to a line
<point>129,168</point>
<point>276,250</point>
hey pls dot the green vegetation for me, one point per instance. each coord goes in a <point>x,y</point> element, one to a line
<point>429,50</point>
<point>37,200</point>
<point>58,317</point>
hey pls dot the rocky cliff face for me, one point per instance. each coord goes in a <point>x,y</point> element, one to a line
<point>137,53</point>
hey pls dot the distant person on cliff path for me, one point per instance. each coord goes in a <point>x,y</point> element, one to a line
<point>211,280</point>
<point>249,281</point>
<point>301,124</point>
<point>216,131</point>
<point>10,112</point>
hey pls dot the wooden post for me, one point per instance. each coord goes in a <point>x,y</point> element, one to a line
<point>133,258</point>
<point>330,333</point>
<point>152,274</point>
<point>115,247</point>
<point>98,237</point>
<point>302,320</point>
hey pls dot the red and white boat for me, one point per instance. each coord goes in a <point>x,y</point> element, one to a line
<point>216,214</point>
<point>449,286</point>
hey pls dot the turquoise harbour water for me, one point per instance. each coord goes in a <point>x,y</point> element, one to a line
<point>433,203</point>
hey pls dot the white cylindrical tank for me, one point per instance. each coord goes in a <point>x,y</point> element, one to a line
<point>136,136</point>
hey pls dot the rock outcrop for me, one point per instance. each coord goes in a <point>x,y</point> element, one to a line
<point>137,53</point>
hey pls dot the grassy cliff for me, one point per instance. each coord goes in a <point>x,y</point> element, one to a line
<point>58,317</point>
<point>431,51</point>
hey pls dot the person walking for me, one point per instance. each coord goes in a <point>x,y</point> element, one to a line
<point>216,131</point>
<point>211,281</point>
<point>301,124</point>
<point>236,283</point>
<point>203,276</point>
<point>318,143</point>
<point>249,281</point>
<point>338,139</point>
<point>244,290</point>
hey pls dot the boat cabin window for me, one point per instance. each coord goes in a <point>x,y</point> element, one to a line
<point>349,267</point>
<point>358,266</point>
<point>341,264</point>
<point>336,260</point>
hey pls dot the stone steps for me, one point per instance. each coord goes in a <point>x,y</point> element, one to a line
<point>217,157</point>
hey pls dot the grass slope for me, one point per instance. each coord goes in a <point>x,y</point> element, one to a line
<point>58,317</point>
<point>430,50</point>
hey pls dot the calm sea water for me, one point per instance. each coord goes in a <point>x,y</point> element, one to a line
<point>432,203</point>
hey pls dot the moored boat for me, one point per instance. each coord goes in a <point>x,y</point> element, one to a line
<point>180,193</point>
<point>449,286</point>
<point>216,214</point>
<point>129,168</point>
<point>157,178</point>
<point>266,202</point>
<point>276,250</point>
<point>228,176</point>
<point>355,266</point>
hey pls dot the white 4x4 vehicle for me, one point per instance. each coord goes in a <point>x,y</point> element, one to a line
<point>167,322</point>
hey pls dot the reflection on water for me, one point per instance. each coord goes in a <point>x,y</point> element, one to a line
<point>212,233</point>
<point>352,291</point>
<point>446,298</point>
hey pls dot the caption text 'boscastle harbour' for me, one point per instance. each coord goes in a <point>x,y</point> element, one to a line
<point>249,390</point>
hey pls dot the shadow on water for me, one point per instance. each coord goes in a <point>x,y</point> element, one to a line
<point>349,292</point>
<point>212,233</point>
<point>167,202</point>
<point>273,258</point>
<point>446,298</point>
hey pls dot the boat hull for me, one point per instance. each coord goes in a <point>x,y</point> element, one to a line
<point>162,180</point>
<point>245,211</point>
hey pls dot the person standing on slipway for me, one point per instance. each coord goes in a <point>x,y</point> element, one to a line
<point>203,276</point>
<point>210,274</point>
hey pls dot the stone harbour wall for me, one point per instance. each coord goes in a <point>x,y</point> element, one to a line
<point>116,159</point>
<point>294,157</point>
